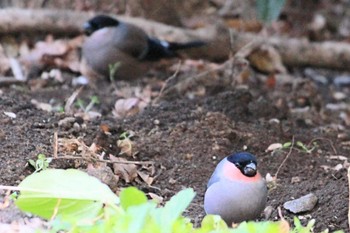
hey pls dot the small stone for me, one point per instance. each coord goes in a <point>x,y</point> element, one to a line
<point>172,181</point>
<point>295,179</point>
<point>66,122</point>
<point>302,204</point>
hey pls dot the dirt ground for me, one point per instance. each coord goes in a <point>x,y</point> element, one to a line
<point>186,133</point>
<point>186,137</point>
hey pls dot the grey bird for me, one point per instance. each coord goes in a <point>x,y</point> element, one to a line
<point>111,42</point>
<point>236,191</point>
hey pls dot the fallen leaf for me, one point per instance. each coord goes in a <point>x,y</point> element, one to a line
<point>42,106</point>
<point>156,197</point>
<point>126,107</point>
<point>146,178</point>
<point>128,172</point>
<point>105,174</point>
<point>126,146</point>
<point>57,53</point>
<point>274,146</point>
<point>266,59</point>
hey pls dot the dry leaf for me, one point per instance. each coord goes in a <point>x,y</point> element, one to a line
<point>267,59</point>
<point>284,226</point>
<point>127,172</point>
<point>126,146</point>
<point>105,174</point>
<point>42,106</point>
<point>58,53</point>
<point>74,146</point>
<point>146,178</point>
<point>156,197</point>
<point>150,168</point>
<point>274,146</point>
<point>126,107</point>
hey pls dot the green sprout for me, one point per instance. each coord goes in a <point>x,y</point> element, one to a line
<point>112,70</point>
<point>301,146</point>
<point>93,101</point>
<point>125,135</point>
<point>41,163</point>
<point>299,228</point>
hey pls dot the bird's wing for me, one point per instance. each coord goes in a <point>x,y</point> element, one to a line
<point>130,40</point>
<point>213,179</point>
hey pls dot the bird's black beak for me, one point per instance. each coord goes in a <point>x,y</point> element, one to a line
<point>88,29</point>
<point>250,169</point>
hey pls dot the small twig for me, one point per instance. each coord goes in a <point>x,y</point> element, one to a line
<point>167,82</point>
<point>105,161</point>
<point>71,99</point>
<point>285,159</point>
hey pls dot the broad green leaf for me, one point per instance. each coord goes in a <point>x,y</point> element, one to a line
<point>173,209</point>
<point>131,196</point>
<point>71,194</point>
<point>213,222</point>
<point>139,215</point>
<point>262,227</point>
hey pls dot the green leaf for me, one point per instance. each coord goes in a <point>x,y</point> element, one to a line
<point>261,227</point>
<point>269,10</point>
<point>131,196</point>
<point>71,194</point>
<point>139,215</point>
<point>32,162</point>
<point>213,222</point>
<point>286,145</point>
<point>173,209</point>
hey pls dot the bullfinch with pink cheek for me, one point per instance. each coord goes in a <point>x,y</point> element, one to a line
<point>236,191</point>
<point>113,42</point>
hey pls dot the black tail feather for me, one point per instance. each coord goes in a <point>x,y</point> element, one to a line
<point>158,49</point>
<point>173,46</point>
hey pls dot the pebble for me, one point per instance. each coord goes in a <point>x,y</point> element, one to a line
<point>342,80</point>
<point>302,204</point>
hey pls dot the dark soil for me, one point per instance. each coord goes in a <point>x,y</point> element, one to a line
<point>187,137</point>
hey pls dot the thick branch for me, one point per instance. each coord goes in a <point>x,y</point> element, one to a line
<point>294,52</point>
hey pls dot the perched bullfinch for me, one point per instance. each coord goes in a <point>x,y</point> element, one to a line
<point>116,43</point>
<point>236,191</point>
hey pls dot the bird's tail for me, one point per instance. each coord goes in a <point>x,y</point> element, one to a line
<point>158,49</point>
<point>173,46</point>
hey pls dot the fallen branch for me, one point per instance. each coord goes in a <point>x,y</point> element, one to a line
<point>294,52</point>
<point>104,161</point>
<point>7,81</point>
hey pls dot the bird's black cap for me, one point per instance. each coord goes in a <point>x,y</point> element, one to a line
<point>99,22</point>
<point>245,162</point>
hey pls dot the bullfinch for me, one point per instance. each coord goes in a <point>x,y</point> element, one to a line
<point>111,42</point>
<point>236,191</point>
